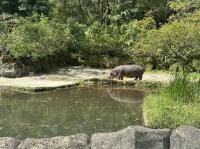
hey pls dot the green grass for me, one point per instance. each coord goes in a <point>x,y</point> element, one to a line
<point>184,88</point>
<point>195,75</point>
<point>177,104</point>
<point>161,112</point>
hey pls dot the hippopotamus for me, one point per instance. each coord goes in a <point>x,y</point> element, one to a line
<point>131,71</point>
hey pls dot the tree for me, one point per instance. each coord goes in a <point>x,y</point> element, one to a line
<point>9,6</point>
<point>27,7</point>
<point>107,12</point>
<point>37,38</point>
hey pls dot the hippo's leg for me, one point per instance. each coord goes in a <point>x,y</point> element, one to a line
<point>119,76</point>
<point>140,77</point>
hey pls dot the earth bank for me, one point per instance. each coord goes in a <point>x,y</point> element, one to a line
<point>73,76</point>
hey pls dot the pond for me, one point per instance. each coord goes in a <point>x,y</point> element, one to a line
<point>69,111</point>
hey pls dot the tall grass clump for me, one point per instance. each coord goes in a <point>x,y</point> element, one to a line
<point>183,88</point>
<point>176,104</point>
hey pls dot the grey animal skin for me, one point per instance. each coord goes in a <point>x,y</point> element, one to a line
<point>130,71</point>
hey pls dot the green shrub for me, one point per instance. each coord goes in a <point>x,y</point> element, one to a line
<point>108,45</point>
<point>104,37</point>
<point>177,67</point>
<point>4,30</point>
<point>37,37</point>
<point>130,32</point>
<point>172,43</point>
<point>183,8</point>
<point>196,65</point>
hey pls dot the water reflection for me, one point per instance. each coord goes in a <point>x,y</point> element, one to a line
<point>65,112</point>
<point>126,95</point>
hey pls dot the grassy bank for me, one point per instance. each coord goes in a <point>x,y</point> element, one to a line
<point>177,104</point>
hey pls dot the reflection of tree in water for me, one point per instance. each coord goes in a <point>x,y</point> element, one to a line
<point>126,95</point>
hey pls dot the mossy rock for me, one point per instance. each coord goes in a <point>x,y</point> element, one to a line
<point>176,67</point>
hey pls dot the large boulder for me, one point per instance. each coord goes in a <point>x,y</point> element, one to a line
<point>133,137</point>
<point>185,137</point>
<point>9,143</point>
<point>79,141</point>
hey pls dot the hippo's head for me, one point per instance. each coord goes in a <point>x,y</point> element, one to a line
<point>113,74</point>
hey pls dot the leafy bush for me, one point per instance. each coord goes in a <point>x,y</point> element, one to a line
<point>183,8</point>
<point>108,45</point>
<point>3,37</point>
<point>194,18</point>
<point>172,43</point>
<point>103,37</point>
<point>196,65</point>
<point>177,67</point>
<point>35,38</point>
<point>4,31</point>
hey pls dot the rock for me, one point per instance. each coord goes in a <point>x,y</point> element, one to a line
<point>133,137</point>
<point>13,70</point>
<point>185,137</point>
<point>9,143</point>
<point>7,70</point>
<point>79,141</point>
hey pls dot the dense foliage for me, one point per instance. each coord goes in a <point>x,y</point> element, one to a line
<point>37,38</point>
<point>159,34</point>
<point>175,42</point>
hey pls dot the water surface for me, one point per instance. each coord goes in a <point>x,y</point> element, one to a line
<point>69,111</point>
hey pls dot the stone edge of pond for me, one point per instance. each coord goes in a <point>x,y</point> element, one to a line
<point>87,82</point>
<point>38,89</point>
<point>130,137</point>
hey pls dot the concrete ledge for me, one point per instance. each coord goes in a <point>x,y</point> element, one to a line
<point>28,85</point>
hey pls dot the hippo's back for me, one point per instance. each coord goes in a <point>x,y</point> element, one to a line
<point>131,68</point>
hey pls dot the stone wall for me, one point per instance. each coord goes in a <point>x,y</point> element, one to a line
<point>133,137</point>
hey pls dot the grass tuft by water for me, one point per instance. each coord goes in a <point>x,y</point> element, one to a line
<point>177,104</point>
<point>183,88</point>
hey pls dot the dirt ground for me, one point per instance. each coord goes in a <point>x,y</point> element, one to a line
<point>71,75</point>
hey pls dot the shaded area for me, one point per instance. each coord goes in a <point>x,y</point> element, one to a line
<point>67,111</point>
